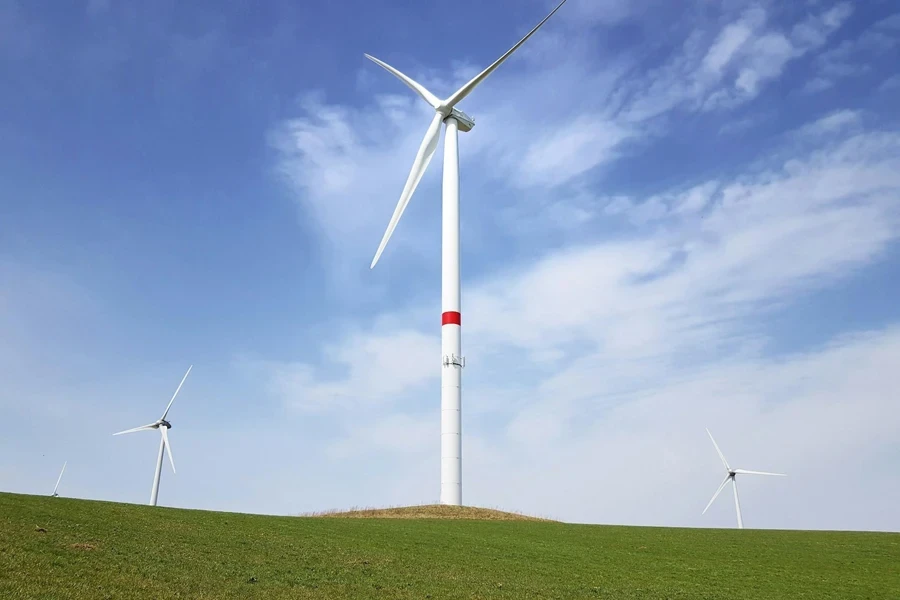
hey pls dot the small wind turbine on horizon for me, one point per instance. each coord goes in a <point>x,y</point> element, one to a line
<point>163,426</point>
<point>54,494</point>
<point>732,476</point>
<point>454,121</point>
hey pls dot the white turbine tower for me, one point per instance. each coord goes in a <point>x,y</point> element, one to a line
<point>454,120</point>
<point>54,494</point>
<point>732,476</point>
<point>163,426</point>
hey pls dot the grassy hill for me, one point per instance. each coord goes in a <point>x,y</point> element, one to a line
<point>72,549</point>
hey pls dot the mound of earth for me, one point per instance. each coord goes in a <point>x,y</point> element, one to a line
<point>430,511</point>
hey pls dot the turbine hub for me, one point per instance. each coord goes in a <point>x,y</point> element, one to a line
<point>165,424</point>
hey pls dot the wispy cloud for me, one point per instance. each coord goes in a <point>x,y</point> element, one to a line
<point>813,32</point>
<point>732,39</point>
<point>833,123</point>
<point>743,57</point>
<point>851,58</point>
<point>366,368</point>
<point>891,83</point>
<point>561,155</point>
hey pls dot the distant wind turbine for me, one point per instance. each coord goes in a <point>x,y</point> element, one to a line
<point>54,494</point>
<point>163,426</point>
<point>454,121</point>
<point>732,476</point>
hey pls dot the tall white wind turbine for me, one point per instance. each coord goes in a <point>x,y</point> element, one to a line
<point>732,476</point>
<point>454,120</point>
<point>163,426</point>
<point>54,494</point>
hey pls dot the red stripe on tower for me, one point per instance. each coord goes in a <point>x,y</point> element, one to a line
<point>451,317</point>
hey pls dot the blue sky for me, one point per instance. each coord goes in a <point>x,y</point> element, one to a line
<point>673,217</point>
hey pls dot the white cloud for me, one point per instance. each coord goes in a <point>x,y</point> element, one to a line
<point>852,57</point>
<point>890,23</point>
<point>768,56</point>
<point>732,39</point>
<point>695,199</point>
<point>814,31</point>
<point>832,123</point>
<point>659,207</point>
<point>764,57</point>
<point>891,83</point>
<point>733,69</point>
<point>325,156</point>
<point>348,176</point>
<point>371,369</point>
<point>561,155</point>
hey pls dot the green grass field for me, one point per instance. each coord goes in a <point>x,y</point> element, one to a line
<point>58,548</point>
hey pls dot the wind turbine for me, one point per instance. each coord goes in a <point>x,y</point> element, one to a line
<point>54,494</point>
<point>163,426</point>
<point>454,121</point>
<point>732,476</point>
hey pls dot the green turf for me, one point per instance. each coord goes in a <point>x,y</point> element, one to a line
<point>105,550</point>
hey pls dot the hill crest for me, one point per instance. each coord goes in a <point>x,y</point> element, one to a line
<point>427,511</point>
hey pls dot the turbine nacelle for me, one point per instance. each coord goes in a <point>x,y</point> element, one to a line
<point>466,123</point>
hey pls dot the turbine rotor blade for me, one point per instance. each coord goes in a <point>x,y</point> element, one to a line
<point>163,418</point>
<point>165,437</point>
<point>745,472</point>
<point>465,90</point>
<point>414,85</point>
<point>141,428</point>
<point>716,495</point>
<point>722,456</point>
<point>60,477</point>
<point>423,157</point>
